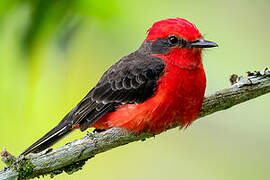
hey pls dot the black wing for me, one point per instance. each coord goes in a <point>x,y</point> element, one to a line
<point>133,79</point>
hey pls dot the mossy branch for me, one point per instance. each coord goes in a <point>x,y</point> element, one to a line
<point>72,156</point>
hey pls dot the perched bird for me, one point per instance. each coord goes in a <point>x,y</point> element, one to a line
<point>149,90</point>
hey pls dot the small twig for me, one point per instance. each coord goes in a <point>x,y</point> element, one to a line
<point>72,156</point>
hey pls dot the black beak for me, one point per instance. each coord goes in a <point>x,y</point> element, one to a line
<point>201,43</point>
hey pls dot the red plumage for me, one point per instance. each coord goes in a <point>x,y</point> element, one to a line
<point>177,26</point>
<point>180,91</point>
<point>151,89</point>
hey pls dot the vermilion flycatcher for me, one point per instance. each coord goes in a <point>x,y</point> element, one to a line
<point>160,84</point>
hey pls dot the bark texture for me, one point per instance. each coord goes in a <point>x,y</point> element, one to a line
<point>71,157</point>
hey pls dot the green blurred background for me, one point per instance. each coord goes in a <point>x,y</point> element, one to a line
<point>53,52</point>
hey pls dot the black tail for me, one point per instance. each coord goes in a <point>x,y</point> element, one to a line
<point>60,131</point>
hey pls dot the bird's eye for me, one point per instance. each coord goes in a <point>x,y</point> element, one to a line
<point>173,40</point>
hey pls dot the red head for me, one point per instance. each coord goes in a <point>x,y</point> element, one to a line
<point>178,27</point>
<point>178,41</point>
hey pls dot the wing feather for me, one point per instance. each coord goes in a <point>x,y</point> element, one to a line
<point>133,79</point>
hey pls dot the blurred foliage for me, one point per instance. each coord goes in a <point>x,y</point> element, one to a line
<point>53,52</point>
<point>46,16</point>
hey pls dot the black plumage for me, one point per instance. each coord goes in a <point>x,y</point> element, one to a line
<point>133,79</point>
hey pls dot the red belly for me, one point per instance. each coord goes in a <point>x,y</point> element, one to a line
<point>177,100</point>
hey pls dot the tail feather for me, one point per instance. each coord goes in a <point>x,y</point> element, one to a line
<point>49,139</point>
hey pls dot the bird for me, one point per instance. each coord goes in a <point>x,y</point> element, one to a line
<point>157,86</point>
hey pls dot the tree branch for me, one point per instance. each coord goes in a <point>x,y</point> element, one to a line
<point>72,156</point>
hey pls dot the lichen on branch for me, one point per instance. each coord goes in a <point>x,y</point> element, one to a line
<point>71,157</point>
